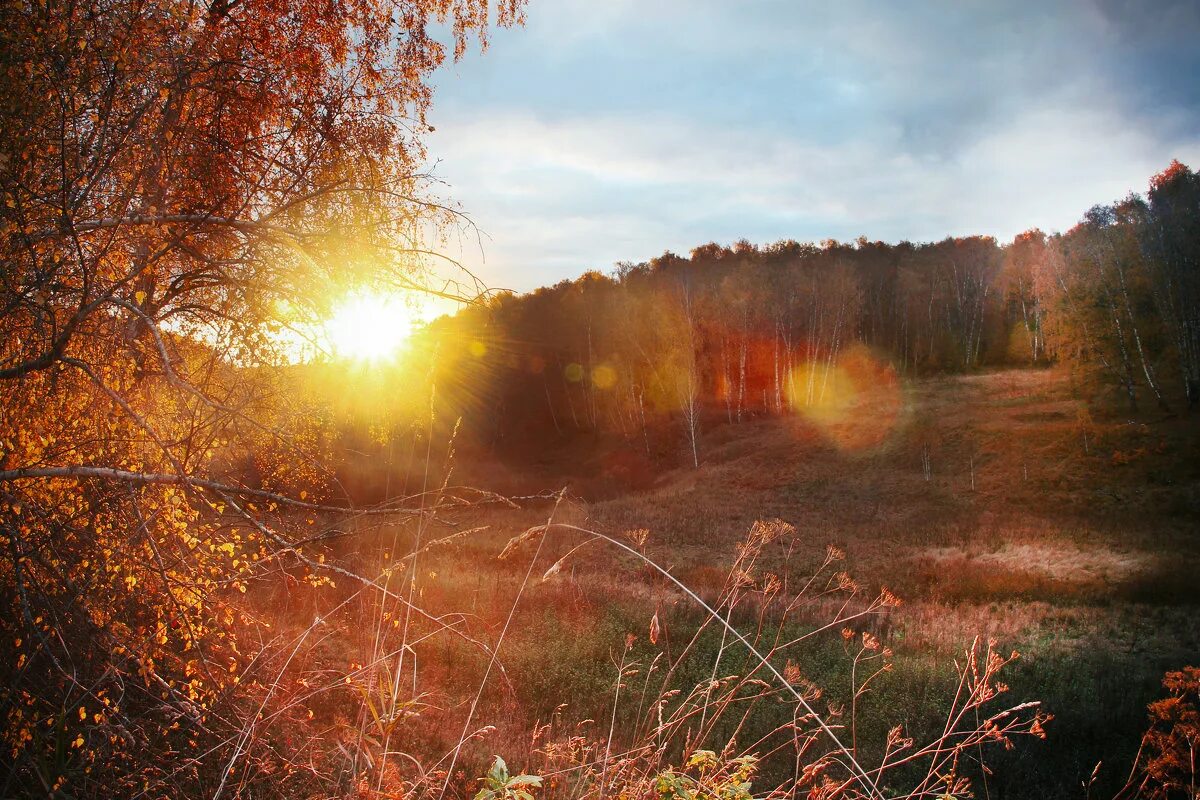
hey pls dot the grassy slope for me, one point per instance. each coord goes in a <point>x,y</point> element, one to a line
<point>1083,557</point>
<point>1086,559</point>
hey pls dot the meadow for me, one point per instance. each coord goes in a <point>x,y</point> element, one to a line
<point>995,505</point>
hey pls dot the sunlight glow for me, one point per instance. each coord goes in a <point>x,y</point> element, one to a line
<point>855,402</point>
<point>369,326</point>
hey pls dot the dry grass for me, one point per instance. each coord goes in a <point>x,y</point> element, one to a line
<point>1076,543</point>
<point>1079,560</point>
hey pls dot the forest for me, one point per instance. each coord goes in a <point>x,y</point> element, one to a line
<point>654,351</point>
<point>839,520</point>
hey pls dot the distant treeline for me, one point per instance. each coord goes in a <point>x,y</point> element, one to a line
<point>744,330</point>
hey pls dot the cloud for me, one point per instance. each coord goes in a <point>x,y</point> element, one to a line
<point>612,131</point>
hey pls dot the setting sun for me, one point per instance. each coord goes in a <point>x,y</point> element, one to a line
<point>371,326</point>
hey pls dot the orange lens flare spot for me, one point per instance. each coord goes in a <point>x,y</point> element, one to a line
<point>604,377</point>
<point>855,401</point>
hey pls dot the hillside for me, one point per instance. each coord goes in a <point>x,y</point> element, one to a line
<point>1065,534</point>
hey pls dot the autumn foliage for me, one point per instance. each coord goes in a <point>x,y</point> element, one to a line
<point>181,185</point>
<point>1167,764</point>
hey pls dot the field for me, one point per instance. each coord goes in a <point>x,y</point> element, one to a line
<point>993,505</point>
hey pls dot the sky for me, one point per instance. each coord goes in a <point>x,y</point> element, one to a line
<point>614,130</point>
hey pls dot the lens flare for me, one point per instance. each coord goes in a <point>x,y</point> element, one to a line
<point>856,401</point>
<point>604,377</point>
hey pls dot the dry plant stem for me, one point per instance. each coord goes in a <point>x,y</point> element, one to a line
<point>412,584</point>
<point>852,764</point>
<point>462,739</point>
<point>249,728</point>
<point>362,579</point>
<point>237,737</point>
<point>612,723</point>
<point>299,700</point>
<point>728,595</point>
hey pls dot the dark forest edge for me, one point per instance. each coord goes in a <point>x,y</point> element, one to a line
<point>732,332</point>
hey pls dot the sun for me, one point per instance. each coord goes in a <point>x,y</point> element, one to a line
<point>371,326</point>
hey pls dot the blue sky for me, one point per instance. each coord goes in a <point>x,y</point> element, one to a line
<point>608,130</point>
